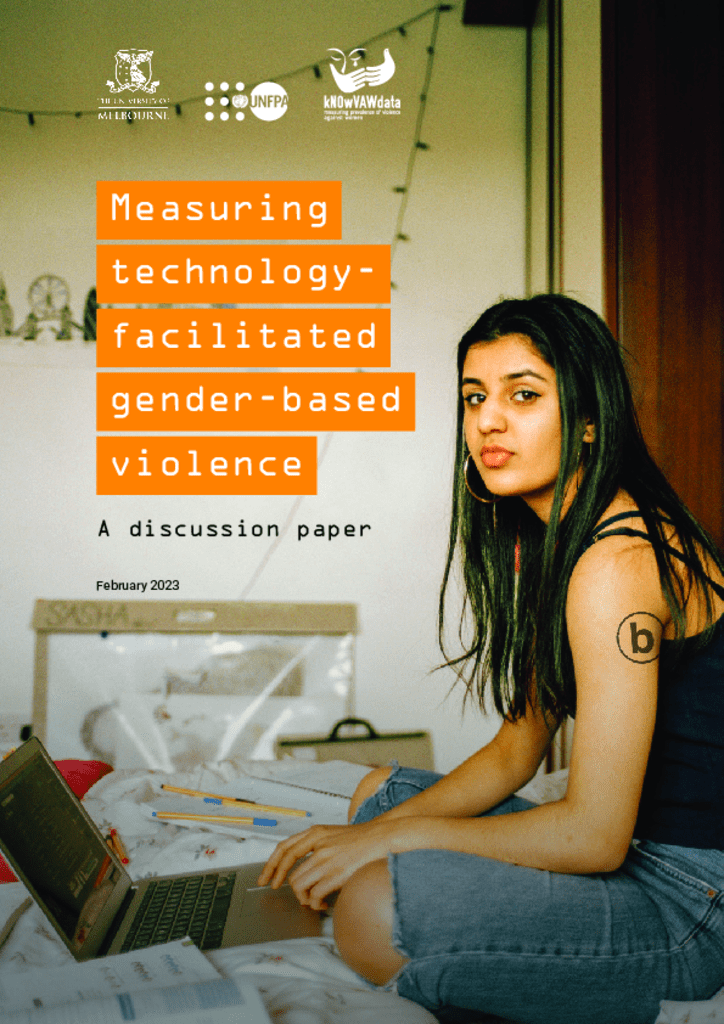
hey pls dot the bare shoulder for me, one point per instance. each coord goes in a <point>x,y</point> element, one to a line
<point>623,569</point>
<point>617,576</point>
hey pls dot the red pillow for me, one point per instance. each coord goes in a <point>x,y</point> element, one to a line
<point>80,776</point>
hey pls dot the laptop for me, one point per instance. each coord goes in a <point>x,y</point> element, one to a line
<point>87,895</point>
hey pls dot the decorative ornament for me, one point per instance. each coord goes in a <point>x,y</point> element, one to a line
<point>49,299</point>
<point>6,313</point>
<point>89,316</point>
<point>48,295</point>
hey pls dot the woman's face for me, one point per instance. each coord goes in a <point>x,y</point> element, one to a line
<point>513,420</point>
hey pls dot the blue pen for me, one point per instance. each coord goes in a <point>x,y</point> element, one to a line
<point>229,801</point>
<point>221,819</point>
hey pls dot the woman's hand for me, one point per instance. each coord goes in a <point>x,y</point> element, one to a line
<point>332,854</point>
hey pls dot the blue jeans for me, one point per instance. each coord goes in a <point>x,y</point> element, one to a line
<point>537,947</point>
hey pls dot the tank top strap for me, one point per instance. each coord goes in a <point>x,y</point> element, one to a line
<point>614,519</point>
<point>598,531</point>
<point>602,530</point>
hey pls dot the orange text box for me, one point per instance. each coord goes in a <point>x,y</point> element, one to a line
<point>227,338</point>
<point>219,209</point>
<point>206,465</point>
<point>255,401</point>
<point>243,273</point>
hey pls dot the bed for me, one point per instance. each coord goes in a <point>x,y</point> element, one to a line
<point>301,981</point>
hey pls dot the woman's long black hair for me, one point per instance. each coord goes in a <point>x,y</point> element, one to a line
<point>513,626</point>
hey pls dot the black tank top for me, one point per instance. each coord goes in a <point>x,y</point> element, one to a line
<point>682,802</point>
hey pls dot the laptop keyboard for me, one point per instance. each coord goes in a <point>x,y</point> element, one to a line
<point>171,908</point>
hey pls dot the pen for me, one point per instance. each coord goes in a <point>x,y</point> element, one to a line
<point>230,801</point>
<point>222,819</point>
<point>118,847</point>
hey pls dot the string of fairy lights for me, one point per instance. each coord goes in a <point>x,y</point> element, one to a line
<point>314,68</point>
<point>403,190</point>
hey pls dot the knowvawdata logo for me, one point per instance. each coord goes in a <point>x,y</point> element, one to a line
<point>133,90</point>
<point>354,77</point>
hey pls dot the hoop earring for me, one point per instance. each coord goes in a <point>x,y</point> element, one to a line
<point>466,471</point>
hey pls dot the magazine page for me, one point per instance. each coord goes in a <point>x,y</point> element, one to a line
<point>164,966</point>
<point>209,1002</point>
<point>240,245</point>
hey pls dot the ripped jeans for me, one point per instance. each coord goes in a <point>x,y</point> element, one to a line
<point>538,947</point>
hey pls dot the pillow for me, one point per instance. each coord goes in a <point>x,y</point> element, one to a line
<point>80,776</point>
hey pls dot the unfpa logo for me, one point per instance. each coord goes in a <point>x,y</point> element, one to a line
<point>639,637</point>
<point>268,101</point>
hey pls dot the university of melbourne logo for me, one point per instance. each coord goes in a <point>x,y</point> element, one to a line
<point>353,75</point>
<point>133,91</point>
<point>133,72</point>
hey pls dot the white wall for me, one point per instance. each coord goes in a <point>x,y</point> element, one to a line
<point>466,224</point>
<point>565,229</point>
<point>582,171</point>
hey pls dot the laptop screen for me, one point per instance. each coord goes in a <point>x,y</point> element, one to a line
<point>60,856</point>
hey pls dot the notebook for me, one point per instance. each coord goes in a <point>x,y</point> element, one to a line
<point>90,899</point>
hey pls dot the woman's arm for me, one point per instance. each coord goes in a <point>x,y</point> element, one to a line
<point>615,616</point>
<point>485,779</point>
<point>489,776</point>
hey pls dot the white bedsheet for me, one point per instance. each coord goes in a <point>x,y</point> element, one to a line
<point>302,981</point>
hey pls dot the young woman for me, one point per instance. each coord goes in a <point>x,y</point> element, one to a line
<point>591,591</point>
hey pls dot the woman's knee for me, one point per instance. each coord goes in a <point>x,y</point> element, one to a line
<point>369,785</point>
<point>363,922</point>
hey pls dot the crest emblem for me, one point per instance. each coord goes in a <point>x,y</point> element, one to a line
<point>133,71</point>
